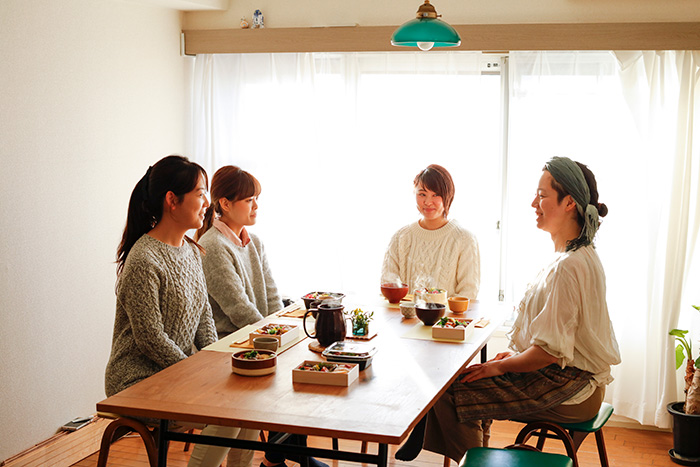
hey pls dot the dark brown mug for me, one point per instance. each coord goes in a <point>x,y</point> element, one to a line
<point>330,323</point>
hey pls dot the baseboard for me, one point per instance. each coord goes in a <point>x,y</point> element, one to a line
<point>623,422</point>
<point>64,448</point>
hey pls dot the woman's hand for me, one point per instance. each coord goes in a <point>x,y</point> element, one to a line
<point>482,370</point>
<point>502,355</point>
<point>532,359</point>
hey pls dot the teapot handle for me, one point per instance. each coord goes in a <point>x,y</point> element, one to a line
<point>304,322</point>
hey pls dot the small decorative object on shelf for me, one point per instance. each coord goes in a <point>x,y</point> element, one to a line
<point>258,20</point>
<point>360,321</point>
<point>244,23</point>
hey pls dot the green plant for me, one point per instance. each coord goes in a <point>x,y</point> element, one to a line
<point>360,318</point>
<point>684,349</point>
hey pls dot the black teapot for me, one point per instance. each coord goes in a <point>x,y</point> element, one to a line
<point>330,323</point>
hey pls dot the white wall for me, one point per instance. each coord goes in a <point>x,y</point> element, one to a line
<point>91,93</point>
<point>309,13</point>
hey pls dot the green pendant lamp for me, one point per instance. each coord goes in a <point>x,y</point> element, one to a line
<point>426,31</point>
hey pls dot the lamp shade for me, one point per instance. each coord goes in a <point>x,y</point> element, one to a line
<point>426,31</point>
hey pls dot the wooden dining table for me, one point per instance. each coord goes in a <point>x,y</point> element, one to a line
<point>406,377</point>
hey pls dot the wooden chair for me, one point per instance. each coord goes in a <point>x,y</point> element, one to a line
<point>121,426</point>
<point>571,434</point>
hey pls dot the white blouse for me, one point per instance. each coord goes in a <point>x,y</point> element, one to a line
<point>565,313</point>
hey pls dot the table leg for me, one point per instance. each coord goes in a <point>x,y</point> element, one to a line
<point>163,444</point>
<point>382,454</point>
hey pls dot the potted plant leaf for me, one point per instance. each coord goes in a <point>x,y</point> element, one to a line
<point>360,321</point>
<point>686,414</point>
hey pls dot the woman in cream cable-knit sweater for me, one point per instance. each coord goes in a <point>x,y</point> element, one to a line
<point>435,251</point>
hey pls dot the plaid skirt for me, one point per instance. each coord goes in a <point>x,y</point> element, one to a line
<point>515,394</point>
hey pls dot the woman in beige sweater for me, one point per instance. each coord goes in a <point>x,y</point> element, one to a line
<point>434,251</point>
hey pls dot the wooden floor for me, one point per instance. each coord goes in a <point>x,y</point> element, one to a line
<point>626,448</point>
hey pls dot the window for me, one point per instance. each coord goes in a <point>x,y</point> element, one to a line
<point>336,140</point>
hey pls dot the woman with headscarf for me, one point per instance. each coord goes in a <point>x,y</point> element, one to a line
<point>562,340</point>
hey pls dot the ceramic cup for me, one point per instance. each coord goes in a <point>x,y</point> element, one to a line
<point>266,343</point>
<point>408,309</point>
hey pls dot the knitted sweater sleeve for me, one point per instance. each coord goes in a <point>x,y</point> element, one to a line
<point>391,270</point>
<point>469,268</point>
<point>141,301</point>
<point>226,286</point>
<point>206,330</point>
<point>274,300</point>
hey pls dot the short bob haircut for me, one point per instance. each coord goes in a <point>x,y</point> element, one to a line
<point>437,179</point>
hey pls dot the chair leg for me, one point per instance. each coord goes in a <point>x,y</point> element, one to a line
<point>134,425</point>
<point>602,452</point>
<point>578,437</point>
<point>187,443</point>
<point>363,448</point>
<point>541,438</point>
<point>335,444</point>
<point>529,430</point>
<point>106,442</point>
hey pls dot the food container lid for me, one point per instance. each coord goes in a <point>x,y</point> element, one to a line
<point>350,350</point>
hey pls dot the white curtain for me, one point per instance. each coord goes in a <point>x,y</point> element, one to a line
<point>663,93</point>
<point>336,140</point>
<point>630,117</point>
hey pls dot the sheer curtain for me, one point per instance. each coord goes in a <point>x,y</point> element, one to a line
<point>572,104</point>
<point>336,140</point>
<point>630,118</point>
<point>663,93</point>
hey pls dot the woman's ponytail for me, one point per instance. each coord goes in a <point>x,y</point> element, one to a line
<point>208,221</point>
<point>139,220</point>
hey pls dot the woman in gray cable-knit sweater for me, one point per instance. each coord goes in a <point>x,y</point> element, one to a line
<point>240,284</point>
<point>163,313</point>
<point>241,290</point>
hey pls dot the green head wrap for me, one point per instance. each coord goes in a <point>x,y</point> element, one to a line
<point>570,176</point>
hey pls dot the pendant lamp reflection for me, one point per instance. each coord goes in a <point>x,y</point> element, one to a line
<point>426,31</point>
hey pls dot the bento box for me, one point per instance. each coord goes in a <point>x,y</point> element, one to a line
<point>350,352</point>
<point>453,328</point>
<point>430,295</point>
<point>328,373</point>
<point>285,333</point>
